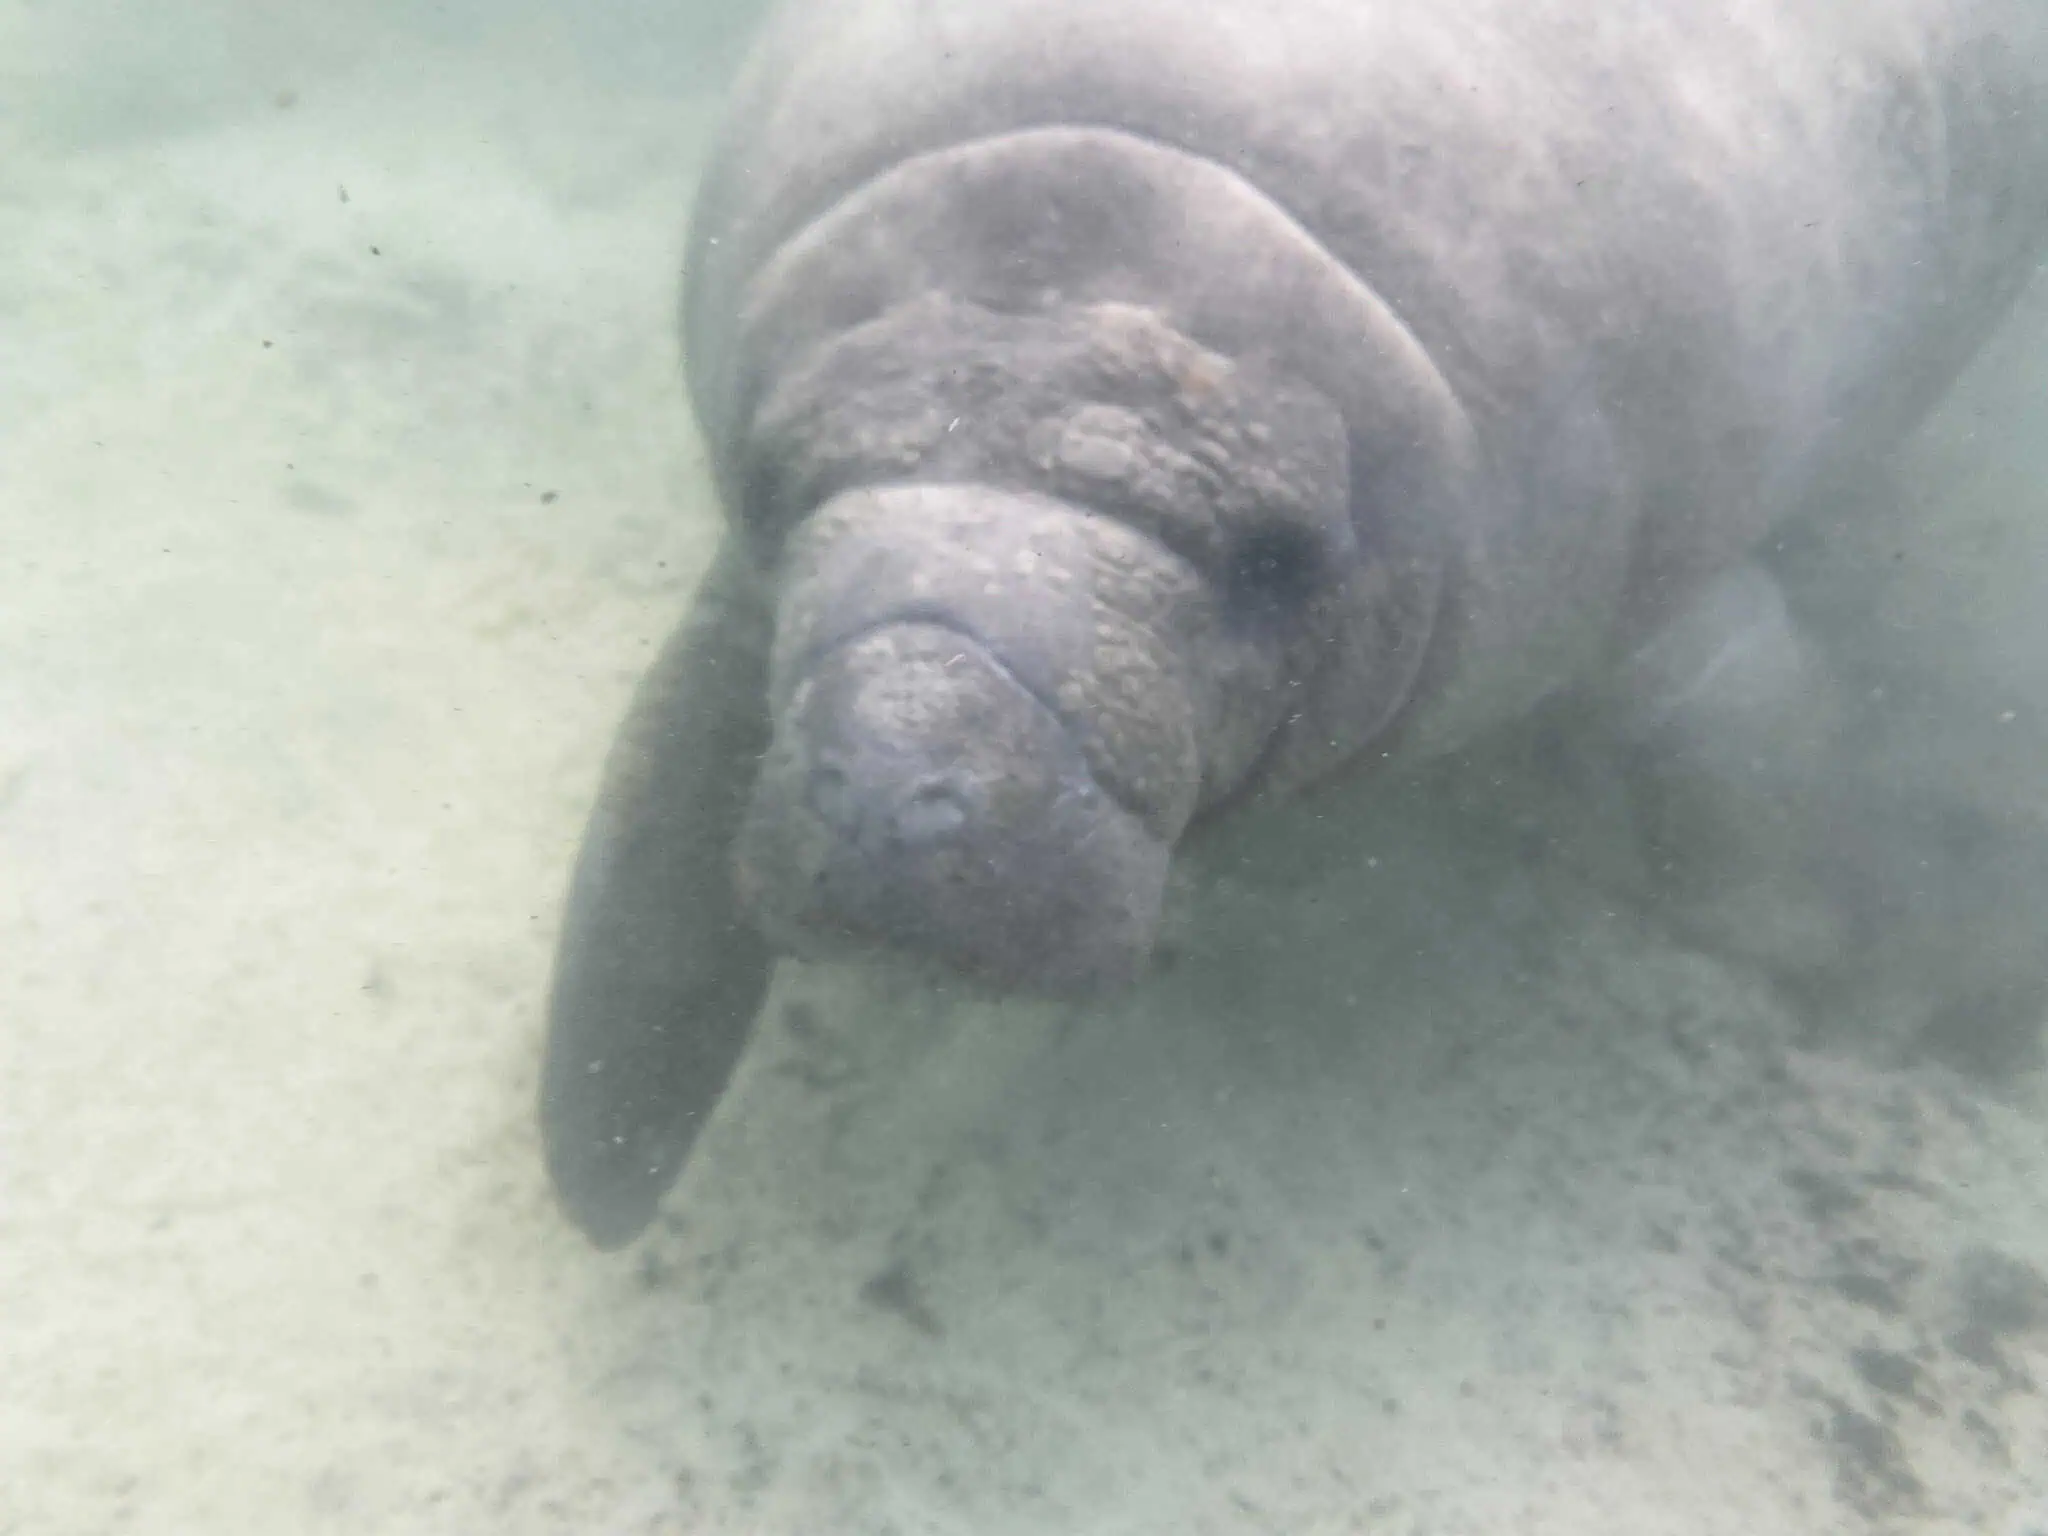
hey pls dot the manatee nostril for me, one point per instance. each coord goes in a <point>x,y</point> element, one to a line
<point>936,807</point>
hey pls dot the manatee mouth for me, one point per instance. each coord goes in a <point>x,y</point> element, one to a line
<point>920,798</point>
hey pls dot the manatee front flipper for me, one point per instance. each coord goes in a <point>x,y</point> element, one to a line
<point>1730,721</point>
<point>659,974</point>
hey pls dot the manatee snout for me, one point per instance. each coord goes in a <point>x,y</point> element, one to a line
<point>988,736</point>
<point>917,798</point>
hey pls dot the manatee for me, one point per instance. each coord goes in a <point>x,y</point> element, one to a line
<point>1127,413</point>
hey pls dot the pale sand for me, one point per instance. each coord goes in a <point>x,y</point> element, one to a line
<point>1443,1198</point>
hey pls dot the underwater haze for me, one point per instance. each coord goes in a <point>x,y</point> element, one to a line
<point>1450,1177</point>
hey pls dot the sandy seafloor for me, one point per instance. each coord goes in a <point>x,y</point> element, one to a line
<point>345,483</point>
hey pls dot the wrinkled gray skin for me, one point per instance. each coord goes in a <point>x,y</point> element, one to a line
<point>1128,409</point>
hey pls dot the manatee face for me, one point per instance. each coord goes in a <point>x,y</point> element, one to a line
<point>994,715</point>
<point>1049,586</point>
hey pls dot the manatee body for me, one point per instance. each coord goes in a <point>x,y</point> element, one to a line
<point>1128,410</point>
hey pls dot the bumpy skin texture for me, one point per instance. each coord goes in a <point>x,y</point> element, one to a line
<point>1132,409</point>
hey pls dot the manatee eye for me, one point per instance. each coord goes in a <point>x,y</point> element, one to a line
<point>1273,571</point>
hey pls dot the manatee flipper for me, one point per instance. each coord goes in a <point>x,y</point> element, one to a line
<point>1730,723</point>
<point>659,974</point>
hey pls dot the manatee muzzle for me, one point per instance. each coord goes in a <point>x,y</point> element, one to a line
<point>985,741</point>
<point>919,798</point>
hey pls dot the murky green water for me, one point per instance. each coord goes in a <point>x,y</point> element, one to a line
<point>347,484</point>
